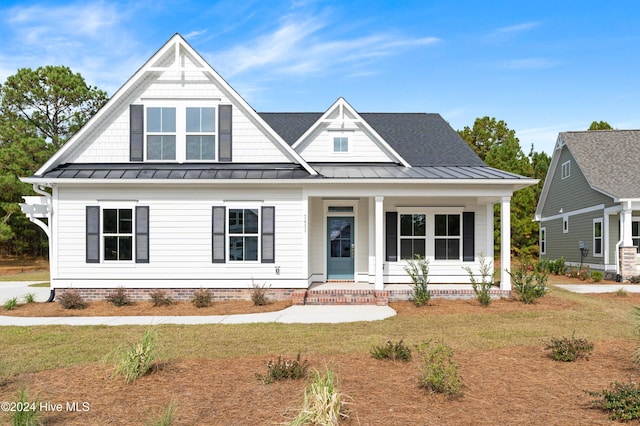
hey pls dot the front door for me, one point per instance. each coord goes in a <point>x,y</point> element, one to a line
<point>340,248</point>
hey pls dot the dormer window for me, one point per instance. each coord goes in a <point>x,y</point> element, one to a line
<point>201,137</point>
<point>340,144</point>
<point>161,133</point>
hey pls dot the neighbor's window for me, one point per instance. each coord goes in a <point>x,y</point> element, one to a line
<point>635,234</point>
<point>566,169</point>
<point>543,240</point>
<point>565,225</point>
<point>117,233</point>
<point>447,236</point>
<point>597,237</point>
<point>243,234</point>
<point>412,235</point>
<point>201,127</point>
<point>341,144</point>
<point>161,133</point>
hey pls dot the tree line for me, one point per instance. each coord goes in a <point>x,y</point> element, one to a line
<point>41,109</point>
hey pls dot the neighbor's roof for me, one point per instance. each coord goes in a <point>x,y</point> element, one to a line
<point>608,159</point>
<point>421,139</point>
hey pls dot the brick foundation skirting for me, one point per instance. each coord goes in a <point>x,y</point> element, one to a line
<point>178,294</point>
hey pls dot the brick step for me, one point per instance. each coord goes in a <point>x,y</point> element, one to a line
<point>340,297</point>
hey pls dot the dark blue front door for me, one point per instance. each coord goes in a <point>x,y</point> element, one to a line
<point>340,248</point>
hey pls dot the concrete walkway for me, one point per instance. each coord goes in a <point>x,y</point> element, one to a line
<point>19,289</point>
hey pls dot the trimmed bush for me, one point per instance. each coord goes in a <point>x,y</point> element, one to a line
<point>283,369</point>
<point>597,276</point>
<point>201,298</point>
<point>418,271</point>
<point>569,349</point>
<point>439,371</point>
<point>392,351</point>
<point>160,298</point>
<point>119,297</point>
<point>621,400</point>
<point>71,299</point>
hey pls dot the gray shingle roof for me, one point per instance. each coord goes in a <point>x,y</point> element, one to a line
<point>608,159</point>
<point>421,139</point>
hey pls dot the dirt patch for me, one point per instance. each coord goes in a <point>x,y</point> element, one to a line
<point>516,385</point>
<point>102,308</point>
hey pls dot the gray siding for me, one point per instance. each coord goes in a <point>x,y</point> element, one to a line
<point>565,245</point>
<point>572,193</point>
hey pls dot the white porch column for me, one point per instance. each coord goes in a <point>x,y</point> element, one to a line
<point>379,256</point>
<point>627,241</point>
<point>505,243</point>
<point>372,241</point>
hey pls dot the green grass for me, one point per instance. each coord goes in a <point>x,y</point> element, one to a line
<point>26,276</point>
<point>31,349</point>
<point>40,285</point>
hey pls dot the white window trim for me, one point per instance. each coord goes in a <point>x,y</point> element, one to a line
<point>543,240</point>
<point>409,237</point>
<point>568,169</point>
<point>228,235</point>
<point>565,224</point>
<point>181,106</point>
<point>332,147</point>
<point>118,206</point>
<point>593,230</point>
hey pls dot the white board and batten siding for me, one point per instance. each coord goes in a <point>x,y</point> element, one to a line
<point>180,235</point>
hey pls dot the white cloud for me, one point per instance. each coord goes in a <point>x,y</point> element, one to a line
<point>527,63</point>
<point>517,28</point>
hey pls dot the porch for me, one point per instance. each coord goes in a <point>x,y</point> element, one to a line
<point>364,293</point>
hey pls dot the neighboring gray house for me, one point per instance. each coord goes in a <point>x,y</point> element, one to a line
<point>589,209</point>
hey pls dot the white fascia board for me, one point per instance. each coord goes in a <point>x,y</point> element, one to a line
<point>175,42</point>
<point>342,103</point>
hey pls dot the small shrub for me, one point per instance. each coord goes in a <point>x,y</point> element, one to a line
<point>71,299</point>
<point>160,298</point>
<point>569,349</point>
<point>573,272</point>
<point>135,361</point>
<point>528,284</point>
<point>11,304</point>
<point>555,267</point>
<point>635,279</point>
<point>201,298</point>
<point>323,403</point>
<point>621,292</point>
<point>622,400</point>
<point>392,351</point>
<point>27,412</point>
<point>418,271</point>
<point>439,371</point>
<point>259,293</point>
<point>30,298</point>
<point>584,274</point>
<point>119,297</point>
<point>597,276</point>
<point>482,288</point>
<point>282,369</point>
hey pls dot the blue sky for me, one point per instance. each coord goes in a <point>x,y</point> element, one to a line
<point>541,66</point>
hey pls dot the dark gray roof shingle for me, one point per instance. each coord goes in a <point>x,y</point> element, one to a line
<point>421,139</point>
<point>607,158</point>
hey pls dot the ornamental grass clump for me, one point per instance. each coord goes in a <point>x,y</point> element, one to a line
<point>323,402</point>
<point>71,299</point>
<point>569,349</point>
<point>26,413</point>
<point>135,361</point>
<point>283,369</point>
<point>418,271</point>
<point>11,304</point>
<point>392,351</point>
<point>482,288</point>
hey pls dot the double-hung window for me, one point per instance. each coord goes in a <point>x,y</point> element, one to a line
<point>447,236</point>
<point>543,240</point>
<point>117,234</point>
<point>635,234</point>
<point>340,144</point>
<point>243,234</point>
<point>201,136</point>
<point>412,235</point>
<point>161,133</point>
<point>597,237</point>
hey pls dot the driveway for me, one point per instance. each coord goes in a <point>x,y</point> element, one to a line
<point>19,289</point>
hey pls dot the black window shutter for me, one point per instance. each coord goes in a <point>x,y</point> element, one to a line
<point>391,224</point>
<point>225,133</point>
<point>136,132</point>
<point>268,234</point>
<point>93,234</point>
<point>219,225</point>
<point>142,234</point>
<point>468,236</point>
